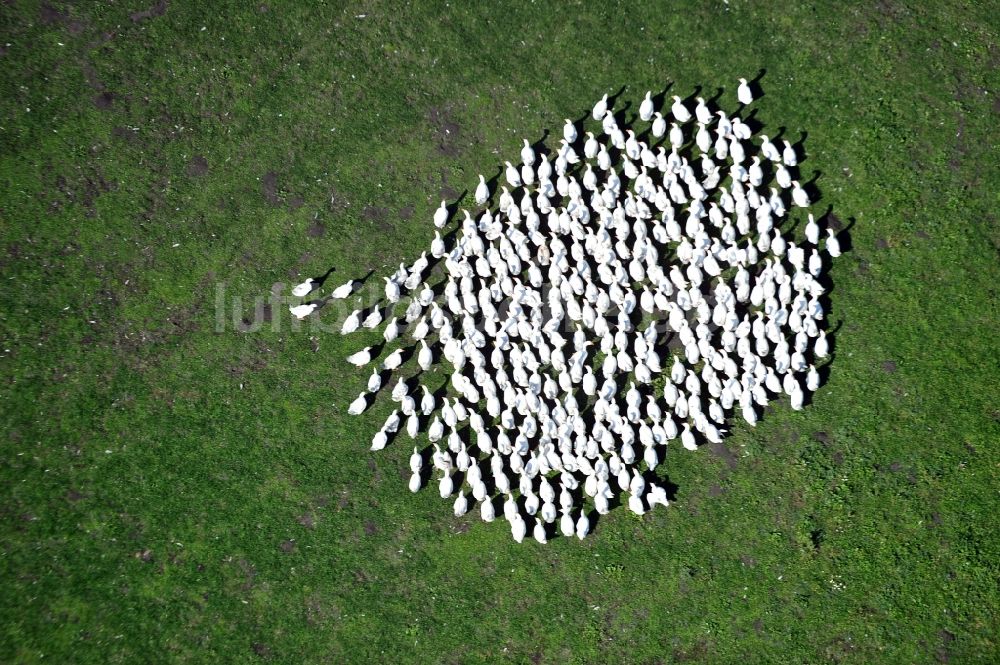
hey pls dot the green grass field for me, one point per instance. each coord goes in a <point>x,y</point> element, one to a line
<point>176,488</point>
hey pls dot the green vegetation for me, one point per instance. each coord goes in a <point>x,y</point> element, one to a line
<point>176,492</point>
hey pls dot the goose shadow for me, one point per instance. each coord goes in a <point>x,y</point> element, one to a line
<point>842,232</point>
<point>811,188</point>
<point>455,205</point>
<point>613,99</point>
<point>620,114</point>
<point>578,122</point>
<point>755,86</point>
<point>693,97</point>
<point>539,145</point>
<point>825,370</point>
<point>321,279</point>
<point>660,98</point>
<point>713,101</point>
<point>361,281</point>
<point>755,125</point>
<point>800,147</point>
<point>492,184</point>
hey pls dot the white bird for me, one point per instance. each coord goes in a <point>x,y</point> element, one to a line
<point>527,154</point>
<point>646,107</point>
<point>687,438</point>
<point>352,323</point>
<point>702,113</point>
<point>374,381</point>
<point>361,358</point>
<point>461,504</point>
<point>302,311</point>
<point>582,526</point>
<point>799,196</point>
<point>659,127</point>
<point>393,360</point>
<point>679,111</point>
<point>832,244</point>
<point>486,510</point>
<point>656,495</point>
<point>743,93</point>
<point>391,331</point>
<point>343,291</point>
<point>358,406</point>
<point>788,155</point>
<point>305,288</point>
<point>441,215</point>
<point>518,528</point>
<point>569,131</point>
<point>482,191</point>
<point>513,175</point>
<point>566,525</point>
<point>539,532</point>
<point>373,319</point>
<point>812,231</point>
<point>424,357</point>
<point>600,108</point>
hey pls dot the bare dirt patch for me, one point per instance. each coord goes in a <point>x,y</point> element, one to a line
<point>724,453</point>
<point>307,520</point>
<point>197,166</point>
<point>288,546</point>
<point>159,9</point>
<point>889,367</point>
<point>316,230</point>
<point>269,187</point>
<point>104,100</point>
<point>49,15</point>
<point>447,132</point>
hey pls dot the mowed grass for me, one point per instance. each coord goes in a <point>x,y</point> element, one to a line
<point>179,489</point>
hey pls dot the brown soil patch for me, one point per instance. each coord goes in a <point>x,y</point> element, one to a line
<point>295,202</point>
<point>374,213</point>
<point>889,366</point>
<point>447,132</point>
<point>198,166</point>
<point>49,15</point>
<point>306,520</point>
<point>724,453</point>
<point>104,100</point>
<point>288,546</point>
<point>370,528</point>
<point>316,230</point>
<point>159,9</point>
<point>269,186</point>
<point>406,213</point>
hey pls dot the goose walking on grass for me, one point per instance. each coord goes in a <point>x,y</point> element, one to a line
<point>343,291</point>
<point>361,358</point>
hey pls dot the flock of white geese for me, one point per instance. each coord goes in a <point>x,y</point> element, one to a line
<point>560,297</point>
